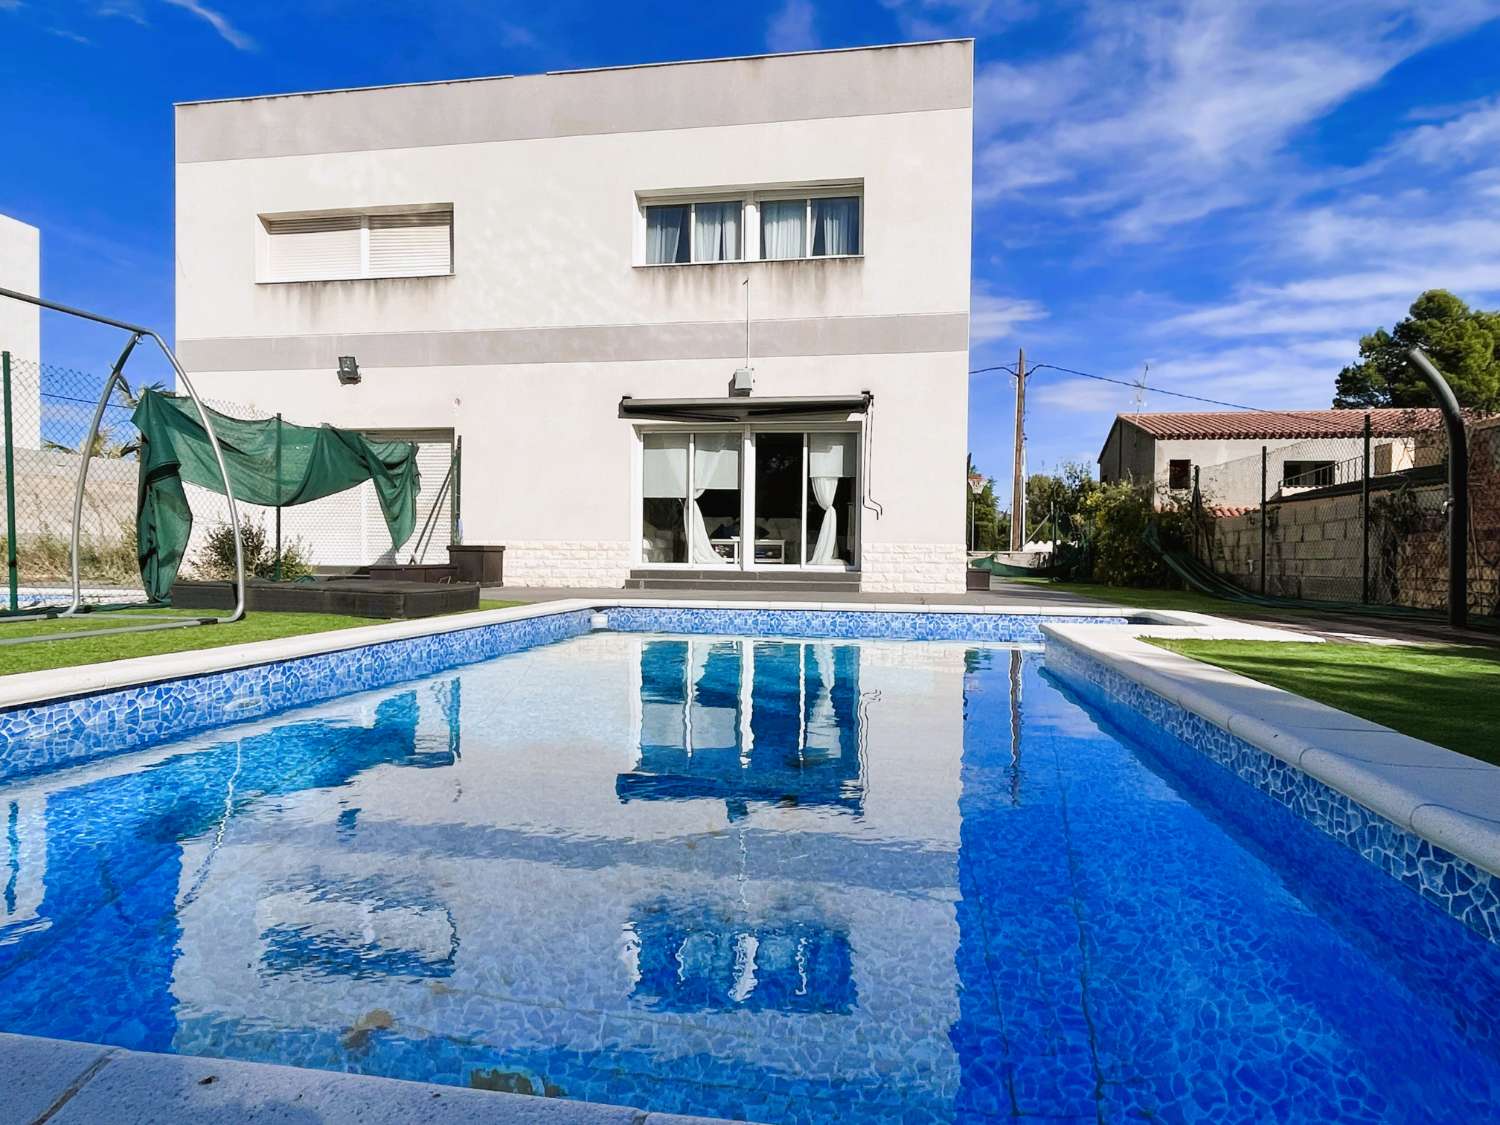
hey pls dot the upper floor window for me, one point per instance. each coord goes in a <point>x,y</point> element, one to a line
<point>809,228</point>
<point>349,245</point>
<point>694,232</point>
<point>766,224</point>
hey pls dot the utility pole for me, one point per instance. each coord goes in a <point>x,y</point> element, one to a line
<point>1018,478</point>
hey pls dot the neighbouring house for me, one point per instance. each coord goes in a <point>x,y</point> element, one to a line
<point>701,318</point>
<point>21,327</point>
<point>1306,449</point>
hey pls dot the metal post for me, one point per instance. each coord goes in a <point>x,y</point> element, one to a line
<point>458,478</point>
<point>1458,489</point>
<point>1262,519</point>
<point>971,521</point>
<point>276,570</point>
<point>1364,519</point>
<point>1197,511</point>
<point>11,565</point>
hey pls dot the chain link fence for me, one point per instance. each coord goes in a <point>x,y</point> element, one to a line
<point>1353,520</point>
<point>47,412</point>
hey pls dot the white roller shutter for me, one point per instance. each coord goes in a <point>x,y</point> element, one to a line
<point>322,248</point>
<point>417,244</point>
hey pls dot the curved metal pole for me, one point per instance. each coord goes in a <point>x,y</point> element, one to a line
<point>138,331</point>
<point>213,440</point>
<point>1458,488</point>
<point>115,376</point>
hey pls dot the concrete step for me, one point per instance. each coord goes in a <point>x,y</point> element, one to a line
<point>740,581</point>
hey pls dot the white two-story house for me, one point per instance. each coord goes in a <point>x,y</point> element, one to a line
<point>566,273</point>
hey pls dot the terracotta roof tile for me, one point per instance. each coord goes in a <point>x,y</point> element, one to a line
<point>1214,424</point>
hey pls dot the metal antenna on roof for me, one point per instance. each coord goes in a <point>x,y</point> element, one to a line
<point>1140,389</point>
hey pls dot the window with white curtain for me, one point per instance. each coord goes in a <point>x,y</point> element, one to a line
<point>342,247</point>
<point>819,227</point>
<point>694,232</point>
<point>768,225</point>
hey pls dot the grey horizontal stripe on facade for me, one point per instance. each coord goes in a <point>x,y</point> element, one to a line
<point>935,76</point>
<point>853,335</point>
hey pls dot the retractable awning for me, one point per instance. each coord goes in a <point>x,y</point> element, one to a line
<point>741,408</point>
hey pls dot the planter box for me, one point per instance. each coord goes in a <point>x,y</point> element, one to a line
<point>416,572</point>
<point>477,562</point>
<point>356,597</point>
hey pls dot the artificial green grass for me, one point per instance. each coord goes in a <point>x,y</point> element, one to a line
<point>125,646</point>
<point>1448,694</point>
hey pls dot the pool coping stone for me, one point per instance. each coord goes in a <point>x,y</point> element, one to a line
<point>64,1083</point>
<point>1435,793</point>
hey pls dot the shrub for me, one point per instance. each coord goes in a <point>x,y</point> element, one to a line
<point>216,558</point>
<point>1115,517</point>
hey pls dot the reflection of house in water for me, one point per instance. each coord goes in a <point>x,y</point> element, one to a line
<point>117,842</point>
<point>742,721</point>
<point>689,960</point>
<point>23,865</point>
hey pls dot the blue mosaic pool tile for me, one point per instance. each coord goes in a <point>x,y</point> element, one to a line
<point>1000,628</point>
<point>65,732</point>
<point>1452,884</point>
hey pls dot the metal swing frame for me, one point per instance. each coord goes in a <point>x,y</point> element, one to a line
<point>76,608</point>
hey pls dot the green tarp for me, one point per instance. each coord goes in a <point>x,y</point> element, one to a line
<point>315,461</point>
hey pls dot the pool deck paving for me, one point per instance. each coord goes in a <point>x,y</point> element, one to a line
<point>51,1082</point>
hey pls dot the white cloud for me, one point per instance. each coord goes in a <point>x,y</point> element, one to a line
<point>131,10</point>
<point>792,27</point>
<point>1169,111</point>
<point>218,21</point>
<point>993,317</point>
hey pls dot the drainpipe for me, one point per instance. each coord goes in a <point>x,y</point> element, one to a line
<point>1458,488</point>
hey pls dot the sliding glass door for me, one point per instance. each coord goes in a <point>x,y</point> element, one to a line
<point>690,498</point>
<point>791,503</point>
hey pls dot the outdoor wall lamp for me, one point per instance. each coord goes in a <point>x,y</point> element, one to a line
<point>348,371</point>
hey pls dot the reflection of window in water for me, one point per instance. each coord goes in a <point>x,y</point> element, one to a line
<point>774,722</point>
<point>692,959</point>
<point>357,928</point>
<point>23,868</point>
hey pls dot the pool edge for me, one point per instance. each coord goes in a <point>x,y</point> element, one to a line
<point>1429,794</point>
<point>77,1083</point>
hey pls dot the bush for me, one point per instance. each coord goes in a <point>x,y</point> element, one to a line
<point>216,559</point>
<point>1115,517</point>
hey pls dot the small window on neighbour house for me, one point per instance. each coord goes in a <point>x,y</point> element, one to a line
<point>1307,474</point>
<point>343,247</point>
<point>1179,474</point>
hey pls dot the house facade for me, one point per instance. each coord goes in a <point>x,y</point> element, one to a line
<point>21,327</point>
<point>1305,449</point>
<point>696,317</point>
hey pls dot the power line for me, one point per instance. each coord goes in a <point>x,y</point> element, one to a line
<point>1139,385</point>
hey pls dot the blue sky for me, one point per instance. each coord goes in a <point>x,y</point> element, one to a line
<point>1230,192</point>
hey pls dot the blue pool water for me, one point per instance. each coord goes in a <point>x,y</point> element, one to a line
<point>851,881</point>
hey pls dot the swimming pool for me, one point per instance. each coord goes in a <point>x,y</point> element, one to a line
<point>768,878</point>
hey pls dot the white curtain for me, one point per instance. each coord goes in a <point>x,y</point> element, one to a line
<point>716,233</point>
<point>783,231</point>
<point>835,226</point>
<point>829,457</point>
<point>666,229</point>
<point>716,465</point>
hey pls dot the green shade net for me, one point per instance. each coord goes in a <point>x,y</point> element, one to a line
<point>314,462</point>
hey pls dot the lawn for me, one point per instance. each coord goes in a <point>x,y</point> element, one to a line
<point>124,646</point>
<point>1446,694</point>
